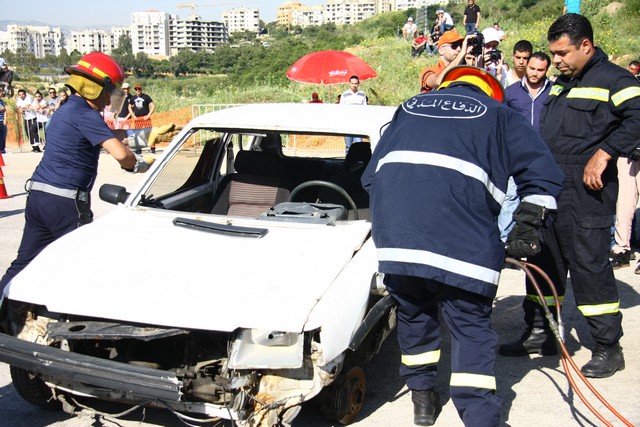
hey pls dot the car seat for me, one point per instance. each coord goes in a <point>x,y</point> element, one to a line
<point>256,186</point>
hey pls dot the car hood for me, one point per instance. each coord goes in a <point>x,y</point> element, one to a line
<point>134,265</point>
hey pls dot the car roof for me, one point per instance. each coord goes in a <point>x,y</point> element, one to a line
<point>315,118</point>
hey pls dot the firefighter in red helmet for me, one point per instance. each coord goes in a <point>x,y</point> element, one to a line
<point>434,207</point>
<point>59,190</point>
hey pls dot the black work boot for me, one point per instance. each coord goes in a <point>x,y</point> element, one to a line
<point>605,361</point>
<point>534,340</point>
<point>426,407</point>
<point>621,259</point>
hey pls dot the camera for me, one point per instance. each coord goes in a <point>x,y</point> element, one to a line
<point>477,42</point>
<point>635,155</point>
<point>495,55</point>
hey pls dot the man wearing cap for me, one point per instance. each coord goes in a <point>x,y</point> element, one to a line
<point>434,203</point>
<point>452,48</point>
<point>491,58</point>
<point>419,45</point>
<point>444,21</point>
<point>124,113</point>
<point>409,29</point>
<point>141,105</point>
<point>59,190</point>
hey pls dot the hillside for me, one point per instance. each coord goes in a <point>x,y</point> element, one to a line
<point>375,41</point>
<point>254,73</point>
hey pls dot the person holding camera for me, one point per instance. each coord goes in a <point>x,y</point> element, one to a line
<point>454,50</point>
<point>491,58</point>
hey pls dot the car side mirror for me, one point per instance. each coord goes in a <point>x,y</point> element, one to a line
<point>113,194</point>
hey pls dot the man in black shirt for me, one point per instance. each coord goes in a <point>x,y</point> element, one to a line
<point>141,105</point>
<point>471,18</point>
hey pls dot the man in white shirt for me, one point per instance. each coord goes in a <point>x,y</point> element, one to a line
<point>23,105</point>
<point>444,21</point>
<point>353,96</point>
<point>409,29</point>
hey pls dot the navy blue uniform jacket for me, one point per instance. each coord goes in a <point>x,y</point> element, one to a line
<point>438,177</point>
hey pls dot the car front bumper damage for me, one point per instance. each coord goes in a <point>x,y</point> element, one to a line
<point>103,379</point>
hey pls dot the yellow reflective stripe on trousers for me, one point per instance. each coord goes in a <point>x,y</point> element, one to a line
<point>599,309</point>
<point>625,95</point>
<point>595,93</point>
<point>473,380</point>
<point>550,300</point>
<point>428,358</point>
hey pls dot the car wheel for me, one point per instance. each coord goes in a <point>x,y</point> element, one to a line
<point>33,389</point>
<point>344,398</point>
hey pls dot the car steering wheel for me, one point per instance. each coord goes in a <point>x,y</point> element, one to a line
<point>329,185</point>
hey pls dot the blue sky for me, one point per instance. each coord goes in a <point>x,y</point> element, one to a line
<point>89,13</point>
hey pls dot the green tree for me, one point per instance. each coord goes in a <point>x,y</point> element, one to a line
<point>124,53</point>
<point>143,66</point>
<point>179,64</point>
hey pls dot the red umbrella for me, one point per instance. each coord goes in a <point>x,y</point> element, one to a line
<point>329,67</point>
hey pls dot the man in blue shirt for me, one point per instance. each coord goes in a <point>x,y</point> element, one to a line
<point>526,97</point>
<point>59,189</point>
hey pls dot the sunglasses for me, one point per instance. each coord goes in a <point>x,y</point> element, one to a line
<point>455,46</point>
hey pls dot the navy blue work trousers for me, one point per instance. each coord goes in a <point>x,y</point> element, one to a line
<point>473,341</point>
<point>47,218</point>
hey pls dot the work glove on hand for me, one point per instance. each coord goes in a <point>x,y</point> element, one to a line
<point>522,241</point>
<point>143,163</point>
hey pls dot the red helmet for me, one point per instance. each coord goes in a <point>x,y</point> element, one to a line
<point>98,67</point>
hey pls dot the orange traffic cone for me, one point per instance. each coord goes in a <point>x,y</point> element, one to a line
<point>3,189</point>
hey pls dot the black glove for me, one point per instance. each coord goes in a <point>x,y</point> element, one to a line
<point>522,241</point>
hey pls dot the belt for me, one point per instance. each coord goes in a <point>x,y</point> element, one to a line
<point>62,192</point>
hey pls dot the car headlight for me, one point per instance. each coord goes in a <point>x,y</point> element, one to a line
<point>264,349</point>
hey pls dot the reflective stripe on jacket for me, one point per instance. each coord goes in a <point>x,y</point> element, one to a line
<point>600,108</point>
<point>437,180</point>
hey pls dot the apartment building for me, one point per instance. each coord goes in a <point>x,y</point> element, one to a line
<point>39,40</point>
<point>241,19</point>
<point>345,12</point>
<point>285,12</point>
<point>308,16</point>
<point>117,33</point>
<point>89,41</point>
<point>195,34</point>
<point>150,33</point>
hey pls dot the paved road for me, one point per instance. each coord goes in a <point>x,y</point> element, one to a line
<point>534,390</point>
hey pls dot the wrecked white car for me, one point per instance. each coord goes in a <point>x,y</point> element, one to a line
<point>251,287</point>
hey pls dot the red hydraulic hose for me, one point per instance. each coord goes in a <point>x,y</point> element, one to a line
<point>558,332</point>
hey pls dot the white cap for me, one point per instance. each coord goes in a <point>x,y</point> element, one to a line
<point>440,11</point>
<point>410,19</point>
<point>2,62</point>
<point>490,34</point>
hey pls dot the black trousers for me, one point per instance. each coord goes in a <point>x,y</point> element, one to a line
<point>578,242</point>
